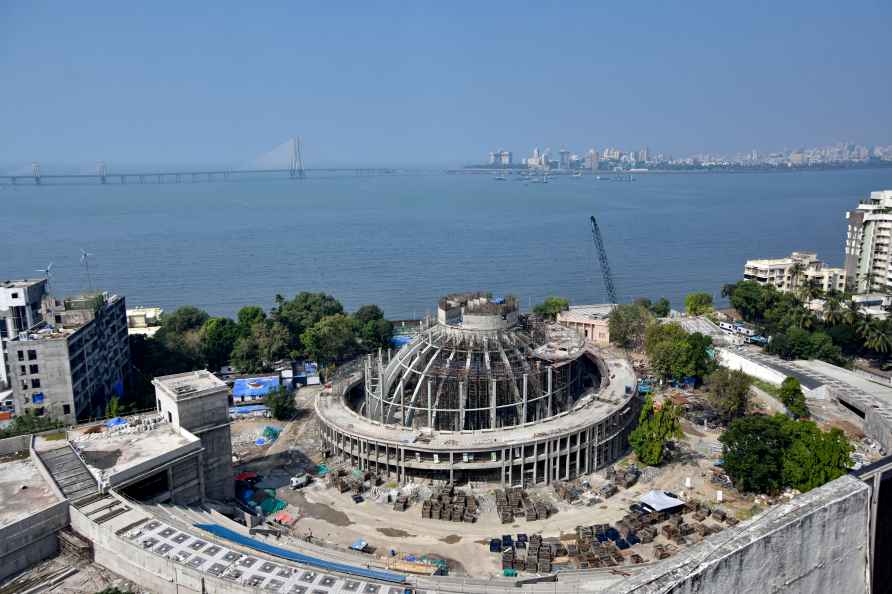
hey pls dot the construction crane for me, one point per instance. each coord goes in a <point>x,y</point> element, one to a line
<point>605,265</point>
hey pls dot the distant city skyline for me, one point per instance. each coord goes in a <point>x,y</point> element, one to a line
<point>433,85</point>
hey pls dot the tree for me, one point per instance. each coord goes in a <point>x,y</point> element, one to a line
<point>331,339</point>
<point>832,311</point>
<point>551,307</point>
<point>793,398</point>
<point>181,320</point>
<point>657,424</point>
<point>218,336</point>
<point>814,457</point>
<point>281,404</point>
<point>368,313</point>
<point>876,336</point>
<point>753,453</point>
<point>661,308</point>
<point>267,343</point>
<point>376,334</point>
<point>796,271</point>
<point>627,325</point>
<point>697,304</point>
<point>29,423</point>
<point>302,312</point>
<point>673,353</point>
<point>729,392</point>
<point>247,317</point>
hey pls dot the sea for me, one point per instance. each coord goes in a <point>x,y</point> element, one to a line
<point>402,241</point>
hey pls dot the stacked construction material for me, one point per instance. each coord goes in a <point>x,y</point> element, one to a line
<point>401,503</point>
<point>539,555</point>
<point>508,558</point>
<point>447,504</point>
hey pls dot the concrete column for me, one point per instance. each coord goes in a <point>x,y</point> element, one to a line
<point>461,404</point>
<point>535,461</point>
<point>525,395</point>
<point>547,461</point>
<point>550,370</point>
<point>567,461</point>
<point>511,466</point>
<point>503,467</point>
<point>451,469</point>
<point>430,408</point>
<point>492,404</point>
<point>579,437</point>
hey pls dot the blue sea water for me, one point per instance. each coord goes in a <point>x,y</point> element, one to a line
<point>403,241</point>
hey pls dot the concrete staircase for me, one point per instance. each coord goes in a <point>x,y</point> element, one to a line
<point>69,472</point>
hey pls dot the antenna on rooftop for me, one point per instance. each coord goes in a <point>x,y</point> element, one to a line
<point>85,261</point>
<point>47,273</point>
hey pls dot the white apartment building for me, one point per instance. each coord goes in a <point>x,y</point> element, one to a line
<point>868,262</point>
<point>20,309</point>
<point>781,273</point>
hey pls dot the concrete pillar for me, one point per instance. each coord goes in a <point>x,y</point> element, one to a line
<point>461,403</point>
<point>451,468</point>
<point>503,467</point>
<point>547,461</point>
<point>430,407</point>
<point>535,461</point>
<point>550,370</point>
<point>525,395</point>
<point>567,461</point>
<point>492,404</point>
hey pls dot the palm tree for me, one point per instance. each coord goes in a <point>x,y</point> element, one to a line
<point>876,336</point>
<point>811,290</point>
<point>852,313</point>
<point>796,270</point>
<point>833,313</point>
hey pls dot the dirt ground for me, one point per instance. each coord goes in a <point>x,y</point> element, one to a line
<point>334,518</point>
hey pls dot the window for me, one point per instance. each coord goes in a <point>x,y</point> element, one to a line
<point>24,384</point>
<point>34,369</point>
<point>66,409</point>
<point>32,355</point>
<point>58,319</point>
<point>35,382</point>
<point>169,417</point>
<point>21,356</point>
<point>23,369</point>
<point>15,295</point>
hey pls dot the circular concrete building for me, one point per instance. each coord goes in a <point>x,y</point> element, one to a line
<point>484,394</point>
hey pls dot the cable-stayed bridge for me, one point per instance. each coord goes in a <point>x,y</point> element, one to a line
<point>285,160</point>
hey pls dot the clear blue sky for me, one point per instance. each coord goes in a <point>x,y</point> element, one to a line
<point>434,82</point>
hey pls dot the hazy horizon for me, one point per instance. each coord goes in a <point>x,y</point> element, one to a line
<point>433,86</point>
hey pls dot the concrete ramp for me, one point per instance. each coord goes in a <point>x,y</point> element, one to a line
<point>69,472</point>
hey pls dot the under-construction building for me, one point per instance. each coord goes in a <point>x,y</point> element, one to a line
<point>485,394</point>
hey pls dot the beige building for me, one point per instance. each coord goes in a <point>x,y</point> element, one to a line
<point>781,273</point>
<point>144,320</point>
<point>590,321</point>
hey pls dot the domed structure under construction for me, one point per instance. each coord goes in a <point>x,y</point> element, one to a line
<point>484,394</point>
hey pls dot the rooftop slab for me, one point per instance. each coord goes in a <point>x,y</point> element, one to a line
<point>109,452</point>
<point>23,491</point>
<point>192,383</point>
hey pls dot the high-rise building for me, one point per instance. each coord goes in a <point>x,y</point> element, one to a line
<point>868,238</point>
<point>20,309</point>
<point>564,159</point>
<point>71,364</point>
<point>505,157</point>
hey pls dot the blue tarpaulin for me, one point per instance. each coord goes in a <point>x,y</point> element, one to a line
<point>255,387</point>
<point>115,422</point>
<point>400,340</point>
<point>248,408</point>
<point>269,549</point>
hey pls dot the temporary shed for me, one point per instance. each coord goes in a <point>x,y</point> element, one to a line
<point>661,501</point>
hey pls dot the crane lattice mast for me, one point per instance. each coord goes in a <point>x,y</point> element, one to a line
<point>605,265</point>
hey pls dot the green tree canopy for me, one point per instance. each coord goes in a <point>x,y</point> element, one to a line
<point>657,424</point>
<point>218,336</point>
<point>673,353</point>
<point>628,323</point>
<point>247,317</point>
<point>331,339</point>
<point>793,398</point>
<point>729,392</point>
<point>753,453</point>
<point>281,404</point>
<point>266,344</point>
<point>551,307</point>
<point>183,319</point>
<point>368,313</point>
<point>661,308</point>
<point>814,457</point>
<point>697,304</point>
<point>300,313</point>
<point>376,334</point>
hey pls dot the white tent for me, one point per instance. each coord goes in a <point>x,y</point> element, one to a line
<point>660,501</point>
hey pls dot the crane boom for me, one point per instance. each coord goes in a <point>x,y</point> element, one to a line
<point>605,265</point>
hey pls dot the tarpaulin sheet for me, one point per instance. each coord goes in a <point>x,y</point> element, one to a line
<point>255,386</point>
<point>659,500</point>
<point>272,505</point>
<point>269,549</point>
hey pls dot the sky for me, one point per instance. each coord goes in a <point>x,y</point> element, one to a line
<point>431,83</point>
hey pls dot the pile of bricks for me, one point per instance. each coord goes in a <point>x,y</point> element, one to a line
<point>401,503</point>
<point>446,504</point>
<point>539,555</point>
